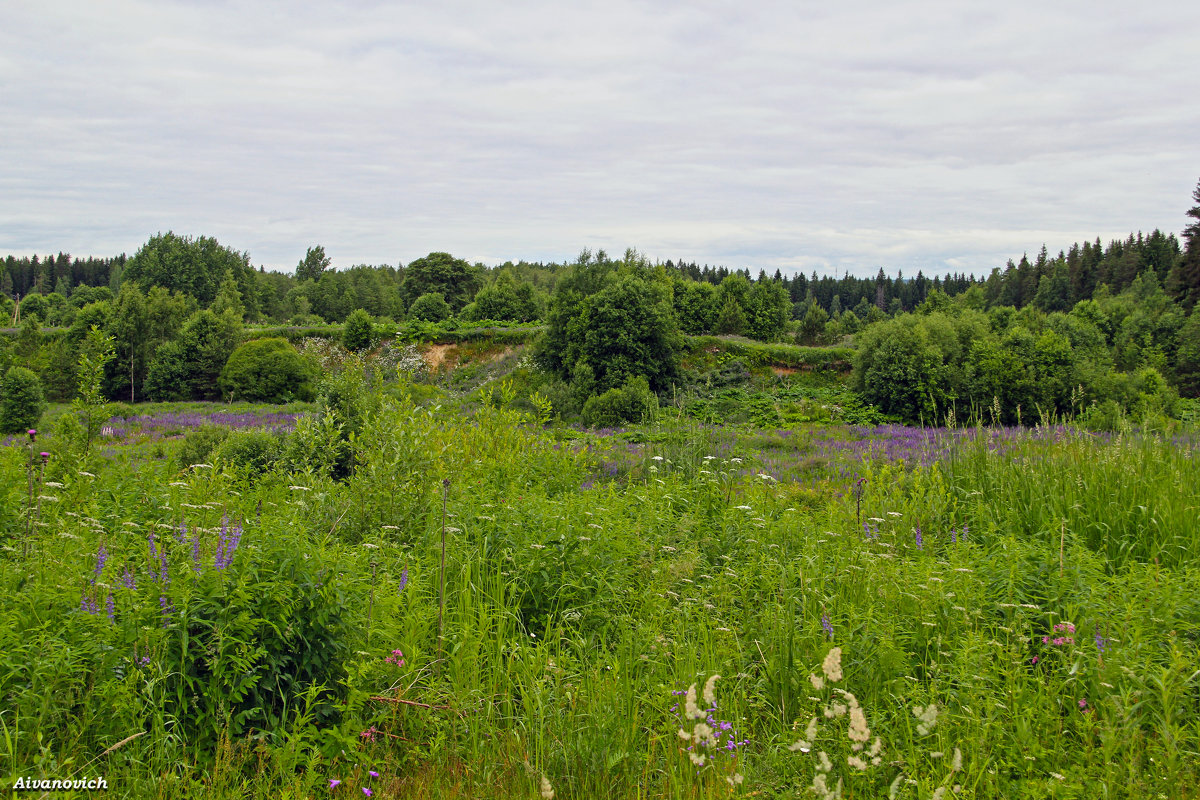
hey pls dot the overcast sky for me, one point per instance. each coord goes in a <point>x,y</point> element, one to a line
<point>769,135</point>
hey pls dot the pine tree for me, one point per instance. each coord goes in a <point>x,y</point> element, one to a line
<point>1184,282</point>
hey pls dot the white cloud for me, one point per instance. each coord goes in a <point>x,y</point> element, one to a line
<point>903,135</point>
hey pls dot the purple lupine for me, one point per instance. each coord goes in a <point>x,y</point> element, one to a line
<point>127,578</point>
<point>153,550</point>
<point>920,539</point>
<point>196,551</point>
<point>403,579</point>
<point>166,609</point>
<point>827,626</point>
<point>164,575</point>
<point>101,560</point>
<point>953,536</point>
<point>1101,642</point>
<point>181,534</point>
<point>88,604</point>
<point>222,538</point>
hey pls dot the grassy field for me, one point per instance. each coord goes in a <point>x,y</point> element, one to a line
<point>405,600</point>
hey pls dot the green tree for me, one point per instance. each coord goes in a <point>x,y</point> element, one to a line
<point>431,307</point>
<point>1187,362</point>
<point>812,326</point>
<point>358,333</point>
<point>130,327</point>
<point>1184,280</point>
<point>228,301</point>
<point>189,367</point>
<point>21,400</point>
<point>696,307</point>
<point>268,371</point>
<point>313,265</point>
<point>192,266</point>
<point>94,355</point>
<point>629,330</point>
<point>768,309</point>
<point>455,279</point>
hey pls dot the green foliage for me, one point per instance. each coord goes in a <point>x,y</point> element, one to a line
<point>96,351</point>
<point>191,266</point>
<point>268,371</point>
<point>199,445</point>
<point>632,403</point>
<point>252,452</point>
<point>190,366</point>
<point>358,332</point>
<point>430,307</point>
<point>21,400</point>
<point>441,273</point>
<point>313,265</point>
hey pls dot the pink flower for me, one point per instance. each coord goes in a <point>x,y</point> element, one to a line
<point>367,791</point>
<point>373,773</point>
<point>1083,703</point>
<point>1033,660</point>
<point>333,783</point>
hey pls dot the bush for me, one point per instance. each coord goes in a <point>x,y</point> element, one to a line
<point>267,371</point>
<point>632,403</point>
<point>358,334</point>
<point>431,307</point>
<point>200,444</point>
<point>252,451</point>
<point>21,400</point>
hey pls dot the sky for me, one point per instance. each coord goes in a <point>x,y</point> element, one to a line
<point>941,136</point>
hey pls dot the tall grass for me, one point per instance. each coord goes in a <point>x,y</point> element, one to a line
<point>1041,598</point>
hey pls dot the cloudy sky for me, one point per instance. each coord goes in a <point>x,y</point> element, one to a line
<point>787,134</point>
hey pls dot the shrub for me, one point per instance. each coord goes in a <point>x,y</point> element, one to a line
<point>358,334</point>
<point>632,403</point>
<point>431,307</point>
<point>253,451</point>
<point>21,400</point>
<point>267,371</point>
<point>200,444</point>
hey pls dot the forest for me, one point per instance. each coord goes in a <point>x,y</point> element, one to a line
<point>606,528</point>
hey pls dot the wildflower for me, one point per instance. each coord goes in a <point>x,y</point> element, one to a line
<point>857,763</point>
<point>369,734</point>
<point>691,710</point>
<point>101,560</point>
<point>333,783</point>
<point>1083,704</point>
<point>367,791</point>
<point>373,773</point>
<point>547,791</point>
<point>953,536</point>
<point>956,762</point>
<point>403,579</point>
<point>832,666</point>
<point>859,732</point>
<point>817,681</point>
<point>827,626</point>
<point>110,607</point>
<point>127,579</point>
<point>709,699</point>
<point>927,718</point>
<point>1101,642</point>
<point>32,434</point>
<point>153,551</point>
<point>920,540</point>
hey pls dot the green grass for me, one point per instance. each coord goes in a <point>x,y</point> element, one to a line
<point>577,602</point>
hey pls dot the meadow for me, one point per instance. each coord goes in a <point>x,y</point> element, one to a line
<point>395,593</point>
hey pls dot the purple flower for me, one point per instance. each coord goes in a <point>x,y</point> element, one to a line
<point>373,773</point>
<point>367,791</point>
<point>920,539</point>
<point>127,578</point>
<point>953,536</point>
<point>1101,642</point>
<point>166,609</point>
<point>333,783</point>
<point>403,579</point>
<point>164,575</point>
<point>101,560</point>
<point>196,552</point>
<point>827,626</point>
<point>153,551</point>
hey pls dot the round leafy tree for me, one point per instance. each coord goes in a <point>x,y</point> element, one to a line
<point>21,400</point>
<point>267,371</point>
<point>358,334</point>
<point>431,307</point>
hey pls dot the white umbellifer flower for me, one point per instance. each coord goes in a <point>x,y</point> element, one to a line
<point>832,666</point>
<point>709,698</point>
<point>547,790</point>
